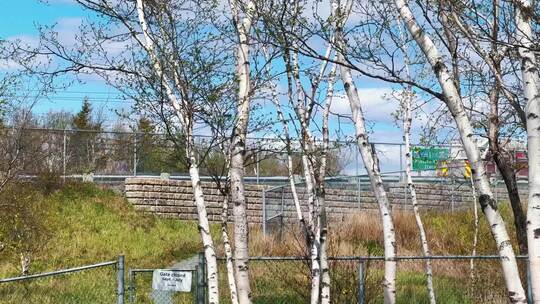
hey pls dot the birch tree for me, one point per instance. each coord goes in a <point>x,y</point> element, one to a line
<point>486,200</point>
<point>529,73</point>
<point>181,106</point>
<point>314,170</point>
<point>314,153</point>
<point>406,105</point>
<point>170,58</point>
<point>493,55</point>
<point>243,19</point>
<point>371,163</point>
<point>407,97</point>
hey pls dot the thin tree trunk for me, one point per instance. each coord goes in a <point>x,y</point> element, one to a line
<point>204,230</point>
<point>228,250</point>
<point>238,150</point>
<point>290,173</point>
<point>529,75</point>
<point>506,168</point>
<point>321,193</point>
<point>371,164</point>
<point>407,121</point>
<point>314,235</point>
<point>475,237</point>
<point>454,103</point>
<point>185,119</point>
<point>307,145</point>
<point>503,159</point>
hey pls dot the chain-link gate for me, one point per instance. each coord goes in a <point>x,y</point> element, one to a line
<point>142,288</point>
<point>168,286</point>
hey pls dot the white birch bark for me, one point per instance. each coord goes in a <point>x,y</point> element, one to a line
<point>371,163</point>
<point>186,124</point>
<point>475,237</point>
<point>529,74</point>
<point>293,76</point>
<point>229,261</point>
<point>407,121</point>
<point>325,270</point>
<point>455,105</point>
<point>238,150</point>
<point>316,232</point>
<point>288,146</point>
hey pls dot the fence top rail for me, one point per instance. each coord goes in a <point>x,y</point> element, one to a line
<point>58,272</point>
<point>163,269</point>
<point>380,258</point>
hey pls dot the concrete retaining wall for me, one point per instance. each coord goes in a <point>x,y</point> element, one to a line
<point>173,198</point>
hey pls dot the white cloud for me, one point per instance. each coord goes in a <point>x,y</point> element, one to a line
<point>377,104</point>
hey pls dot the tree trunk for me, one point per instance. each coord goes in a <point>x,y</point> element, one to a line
<point>407,124</point>
<point>321,193</point>
<point>204,230</point>
<point>228,250</point>
<point>504,164</point>
<point>407,121</point>
<point>186,122</point>
<point>371,164</point>
<point>488,204</point>
<point>238,151</point>
<point>529,75</point>
<point>314,229</point>
<point>502,158</point>
<point>476,222</point>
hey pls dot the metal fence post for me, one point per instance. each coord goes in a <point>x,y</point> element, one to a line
<point>281,212</point>
<point>264,211</point>
<point>131,287</point>
<point>361,284</point>
<point>257,162</point>
<point>64,155</point>
<point>401,175</point>
<point>135,153</point>
<point>120,280</point>
<point>201,292</point>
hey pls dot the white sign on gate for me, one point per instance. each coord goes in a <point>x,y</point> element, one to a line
<point>171,280</point>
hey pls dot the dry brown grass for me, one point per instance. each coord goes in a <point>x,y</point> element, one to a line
<point>449,233</point>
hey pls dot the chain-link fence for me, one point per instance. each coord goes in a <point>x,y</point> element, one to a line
<point>184,284</point>
<point>347,195</point>
<point>97,283</point>
<point>142,286</point>
<point>357,279</point>
<point>134,153</point>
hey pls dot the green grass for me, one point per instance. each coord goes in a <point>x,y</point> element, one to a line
<point>88,225</point>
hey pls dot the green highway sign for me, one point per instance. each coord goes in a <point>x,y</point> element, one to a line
<point>427,158</point>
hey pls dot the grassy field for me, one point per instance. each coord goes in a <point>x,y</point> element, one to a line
<point>88,225</point>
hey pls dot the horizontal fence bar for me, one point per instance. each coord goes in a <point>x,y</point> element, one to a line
<point>380,258</point>
<point>63,271</point>
<point>164,269</point>
<point>274,217</point>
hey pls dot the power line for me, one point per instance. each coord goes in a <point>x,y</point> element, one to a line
<point>74,98</point>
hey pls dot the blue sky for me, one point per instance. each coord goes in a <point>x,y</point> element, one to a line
<point>21,23</point>
<point>24,15</point>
